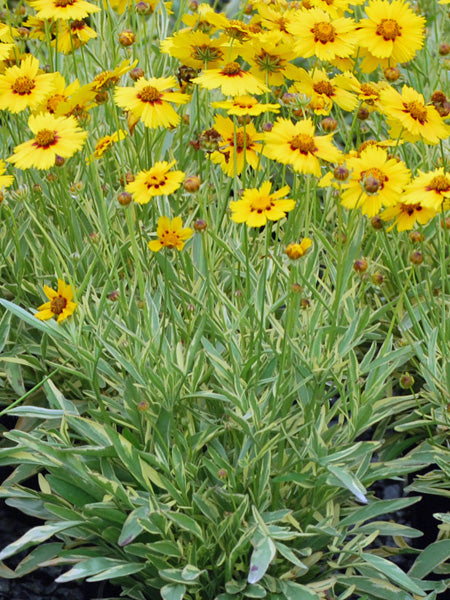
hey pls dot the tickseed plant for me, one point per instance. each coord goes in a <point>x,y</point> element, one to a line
<point>224,294</point>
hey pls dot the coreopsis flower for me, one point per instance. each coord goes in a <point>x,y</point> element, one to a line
<point>60,93</point>
<point>317,34</point>
<point>376,181</point>
<point>54,137</point>
<point>7,33</point>
<point>171,234</point>
<point>239,147</point>
<point>276,17</point>
<point>297,250</point>
<point>24,86</point>
<point>257,206</point>
<point>63,9</point>
<point>149,101</point>
<point>60,305</point>
<point>391,30</point>
<point>71,35</point>
<point>108,79</point>
<point>232,80</point>
<point>205,19</point>
<point>431,190</point>
<point>105,143</point>
<point>5,50</point>
<point>323,91</point>
<point>407,215</point>
<point>196,49</point>
<point>367,92</point>
<point>78,104</point>
<point>296,144</point>
<point>159,180</point>
<point>245,105</point>
<point>336,8</point>
<point>5,180</point>
<point>39,29</point>
<point>409,117</point>
<point>268,55</point>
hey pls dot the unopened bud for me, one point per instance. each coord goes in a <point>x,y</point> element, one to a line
<point>126,38</point>
<point>200,225</point>
<point>406,381</point>
<point>124,198</point>
<point>360,265</point>
<point>416,237</point>
<point>392,73</point>
<point>137,73</point>
<point>114,295</point>
<point>59,161</point>
<point>296,288</point>
<point>377,278</point>
<point>416,257</point>
<point>192,183</point>
<point>376,222</point>
<point>363,113</point>
<point>341,173</point>
<point>329,124</point>
<point>305,303</point>
<point>143,406</point>
<point>444,49</point>
<point>371,184</point>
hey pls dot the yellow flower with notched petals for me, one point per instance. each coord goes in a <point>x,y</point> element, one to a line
<point>257,206</point>
<point>157,181</point>
<point>149,101</point>
<point>63,9</point>
<point>60,303</point>
<point>171,234</point>
<point>23,87</point>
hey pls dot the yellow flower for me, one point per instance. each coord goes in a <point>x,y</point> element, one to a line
<point>157,181</point>
<point>5,180</point>
<point>391,30</point>
<point>412,119</point>
<point>295,144</point>
<point>316,33</point>
<point>72,35</point>
<point>269,54</point>
<point>60,93</point>
<point>54,136</point>
<point>195,49</point>
<point>431,189</point>
<point>60,303</point>
<point>232,80</point>
<point>63,9</point>
<point>245,105</point>
<point>171,234</point>
<point>105,142</point>
<point>149,101</point>
<point>407,215</point>
<point>295,251</point>
<point>375,181</point>
<point>23,87</point>
<point>239,147</point>
<point>257,206</point>
<point>324,91</point>
<point>107,79</point>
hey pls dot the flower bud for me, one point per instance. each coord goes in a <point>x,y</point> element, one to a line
<point>445,224</point>
<point>377,222</point>
<point>137,73</point>
<point>200,225</point>
<point>406,381</point>
<point>392,73</point>
<point>341,173</point>
<point>377,278</point>
<point>305,303</point>
<point>59,161</point>
<point>192,183</point>
<point>416,237</point>
<point>143,406</point>
<point>267,126</point>
<point>124,198</point>
<point>444,49</point>
<point>360,265</point>
<point>363,113</point>
<point>114,295</point>
<point>126,38</point>
<point>101,97</point>
<point>129,178</point>
<point>416,257</point>
<point>296,288</point>
<point>142,8</point>
<point>329,124</point>
<point>371,184</point>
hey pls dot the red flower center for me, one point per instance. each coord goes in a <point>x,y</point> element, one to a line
<point>304,143</point>
<point>149,94</point>
<point>388,29</point>
<point>324,32</point>
<point>23,86</point>
<point>45,138</point>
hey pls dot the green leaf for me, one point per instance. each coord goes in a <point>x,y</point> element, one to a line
<point>132,527</point>
<point>349,481</point>
<point>262,555</point>
<point>291,556</point>
<point>377,589</point>
<point>35,536</point>
<point>39,555</point>
<point>390,570</point>
<point>36,412</point>
<point>173,591</point>
<point>295,591</point>
<point>433,555</point>
<point>85,568</point>
<point>187,523</point>
<point>255,591</point>
<point>234,587</point>
<point>121,570</point>
<point>191,573</point>
<point>376,508</point>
